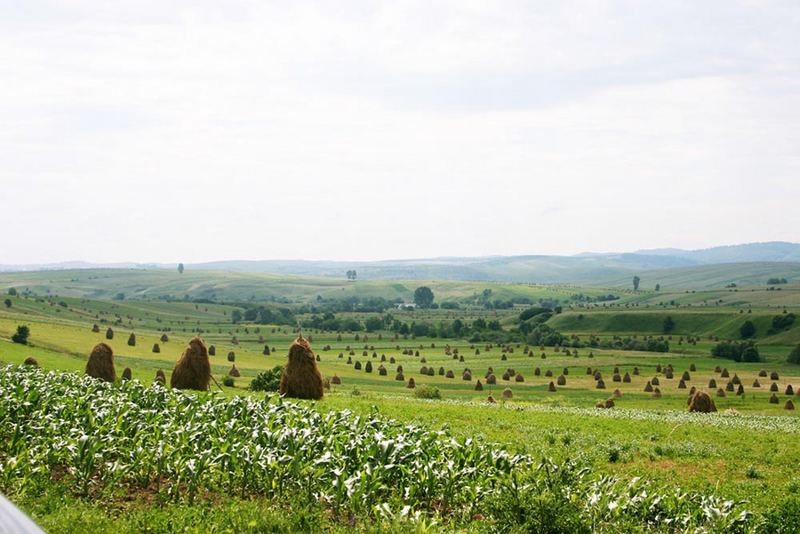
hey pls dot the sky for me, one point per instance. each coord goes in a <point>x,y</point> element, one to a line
<point>154,131</point>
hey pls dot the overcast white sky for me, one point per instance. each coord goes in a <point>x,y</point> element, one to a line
<point>190,131</point>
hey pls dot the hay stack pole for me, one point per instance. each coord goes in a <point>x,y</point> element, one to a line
<point>301,378</point>
<point>101,363</point>
<point>193,369</point>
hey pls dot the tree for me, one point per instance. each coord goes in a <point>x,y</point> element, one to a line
<point>7,302</point>
<point>12,291</point>
<point>747,330</point>
<point>351,274</point>
<point>423,297</point>
<point>180,268</point>
<point>636,281</point>
<point>21,337</point>
<point>794,356</point>
<point>669,324</point>
<point>236,316</point>
<point>658,287</point>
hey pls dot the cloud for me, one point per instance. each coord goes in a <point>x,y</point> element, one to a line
<point>198,131</point>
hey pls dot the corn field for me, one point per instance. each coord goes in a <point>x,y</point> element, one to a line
<point>98,438</point>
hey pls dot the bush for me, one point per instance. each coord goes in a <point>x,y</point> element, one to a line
<point>747,330</point>
<point>784,518</point>
<point>794,356</point>
<point>743,351</point>
<point>227,381</point>
<point>427,392</point>
<point>267,380</point>
<point>781,322</point>
<point>22,334</point>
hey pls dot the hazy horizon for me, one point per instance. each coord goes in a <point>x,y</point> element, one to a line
<point>197,131</point>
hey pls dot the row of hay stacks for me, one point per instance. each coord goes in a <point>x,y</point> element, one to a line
<point>301,377</point>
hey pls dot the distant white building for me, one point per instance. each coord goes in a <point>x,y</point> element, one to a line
<point>406,306</point>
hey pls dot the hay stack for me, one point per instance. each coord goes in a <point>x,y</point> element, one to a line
<point>266,351</point>
<point>692,391</point>
<point>101,363</point>
<point>655,381</point>
<point>773,399</point>
<point>399,376</point>
<point>212,350</point>
<point>756,383</point>
<point>466,376</point>
<point>609,403</point>
<point>617,394</point>
<point>301,378</point>
<point>491,379</point>
<point>450,374</point>
<point>762,373</point>
<point>725,373</point>
<point>411,384</point>
<point>336,380</point>
<point>636,371</point>
<point>478,385</point>
<point>109,333</point>
<point>626,378</point>
<point>548,373</point>
<point>561,380</point>
<point>192,370</point>
<point>95,328</point>
<point>789,390</point>
<point>156,348</point>
<point>537,372</point>
<point>693,368</point>
<point>589,371</point>
<point>127,374</point>
<point>601,384</point>
<point>551,387</point>
<point>490,400</point>
<point>789,405</point>
<point>656,393</point>
<point>648,388</point>
<point>519,378</point>
<point>31,361</point>
<point>132,340</point>
<point>774,375</point>
<point>681,385</point>
<point>357,366</point>
<point>720,392</point>
<point>740,390</point>
<point>231,356</point>
<point>367,367</point>
<point>736,380</point>
<point>774,387</point>
<point>382,370</point>
<point>234,372</point>
<point>729,386</point>
<point>164,338</point>
<point>616,378</point>
<point>702,402</point>
<point>685,376</point>
<point>717,369</point>
<point>507,394</point>
<point>712,384</point>
<point>160,378</point>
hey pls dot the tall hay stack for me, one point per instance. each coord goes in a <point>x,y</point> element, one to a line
<point>193,369</point>
<point>702,402</point>
<point>31,361</point>
<point>127,374</point>
<point>101,363</point>
<point>301,378</point>
<point>160,377</point>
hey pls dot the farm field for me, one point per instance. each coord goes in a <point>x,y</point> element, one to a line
<point>739,454</point>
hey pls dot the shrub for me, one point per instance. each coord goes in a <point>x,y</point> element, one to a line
<point>794,356</point>
<point>743,351</point>
<point>427,392</point>
<point>21,335</point>
<point>747,330</point>
<point>267,380</point>
<point>227,381</point>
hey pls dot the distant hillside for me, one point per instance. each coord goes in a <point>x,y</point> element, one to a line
<point>751,263</point>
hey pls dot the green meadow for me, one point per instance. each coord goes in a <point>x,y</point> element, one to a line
<point>744,452</point>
